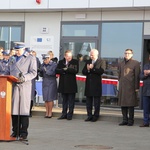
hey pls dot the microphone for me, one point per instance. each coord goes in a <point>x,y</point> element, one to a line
<point>12,60</point>
<point>20,75</point>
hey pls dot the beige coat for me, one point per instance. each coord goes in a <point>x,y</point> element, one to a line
<point>129,73</point>
<point>21,94</point>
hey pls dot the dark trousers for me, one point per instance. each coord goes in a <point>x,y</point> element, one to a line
<point>146,109</point>
<point>89,105</point>
<point>20,127</point>
<point>31,105</point>
<point>128,114</point>
<point>68,101</point>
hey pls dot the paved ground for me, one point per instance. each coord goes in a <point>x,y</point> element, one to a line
<point>106,114</point>
<point>53,134</point>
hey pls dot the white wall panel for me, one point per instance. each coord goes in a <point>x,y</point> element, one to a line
<point>71,16</point>
<point>147,15</point>
<point>34,23</point>
<point>4,4</point>
<point>147,28</point>
<point>11,16</point>
<point>110,3</point>
<point>52,4</point>
<point>28,4</point>
<point>68,3</point>
<point>123,15</point>
<point>141,3</point>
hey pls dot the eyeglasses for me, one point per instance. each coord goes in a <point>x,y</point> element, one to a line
<point>127,53</point>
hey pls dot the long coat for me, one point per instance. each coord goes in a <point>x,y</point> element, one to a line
<point>93,84</point>
<point>129,79</point>
<point>67,81</point>
<point>49,84</point>
<point>33,92</point>
<point>146,81</point>
<point>21,94</point>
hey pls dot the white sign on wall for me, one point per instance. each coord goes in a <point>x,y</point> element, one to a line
<point>41,44</point>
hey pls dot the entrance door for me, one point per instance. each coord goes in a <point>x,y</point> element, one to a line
<point>77,46</point>
<point>80,49</point>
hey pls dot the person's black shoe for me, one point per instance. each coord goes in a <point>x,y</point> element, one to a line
<point>62,117</point>
<point>123,123</point>
<point>23,137</point>
<point>13,134</point>
<point>88,119</point>
<point>94,119</point>
<point>69,118</point>
<point>130,124</point>
<point>144,125</point>
<point>49,117</point>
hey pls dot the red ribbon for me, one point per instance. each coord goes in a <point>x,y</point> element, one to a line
<point>104,81</point>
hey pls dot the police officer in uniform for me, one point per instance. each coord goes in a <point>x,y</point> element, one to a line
<point>4,62</point>
<point>24,67</point>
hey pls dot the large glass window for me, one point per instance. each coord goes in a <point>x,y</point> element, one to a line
<point>116,37</point>
<point>113,39</point>
<point>80,30</point>
<point>10,32</point>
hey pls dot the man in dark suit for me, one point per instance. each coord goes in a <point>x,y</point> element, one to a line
<point>145,76</point>
<point>67,69</point>
<point>93,70</point>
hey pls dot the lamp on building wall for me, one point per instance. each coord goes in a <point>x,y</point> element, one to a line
<point>38,1</point>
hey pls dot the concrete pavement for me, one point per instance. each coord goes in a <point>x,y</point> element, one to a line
<point>106,114</point>
<point>53,134</point>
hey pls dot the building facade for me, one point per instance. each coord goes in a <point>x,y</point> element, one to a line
<point>111,26</point>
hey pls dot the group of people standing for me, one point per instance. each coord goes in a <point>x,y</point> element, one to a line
<point>67,68</point>
<point>26,67</point>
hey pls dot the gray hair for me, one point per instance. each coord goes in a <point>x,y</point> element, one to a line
<point>95,51</point>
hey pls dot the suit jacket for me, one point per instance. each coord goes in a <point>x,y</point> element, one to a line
<point>146,81</point>
<point>93,85</point>
<point>67,80</point>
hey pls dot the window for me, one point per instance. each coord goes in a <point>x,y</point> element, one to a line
<point>10,32</point>
<point>80,30</point>
<point>116,37</point>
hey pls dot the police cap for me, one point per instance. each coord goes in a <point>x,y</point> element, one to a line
<point>44,56</point>
<point>6,52</point>
<point>19,45</point>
